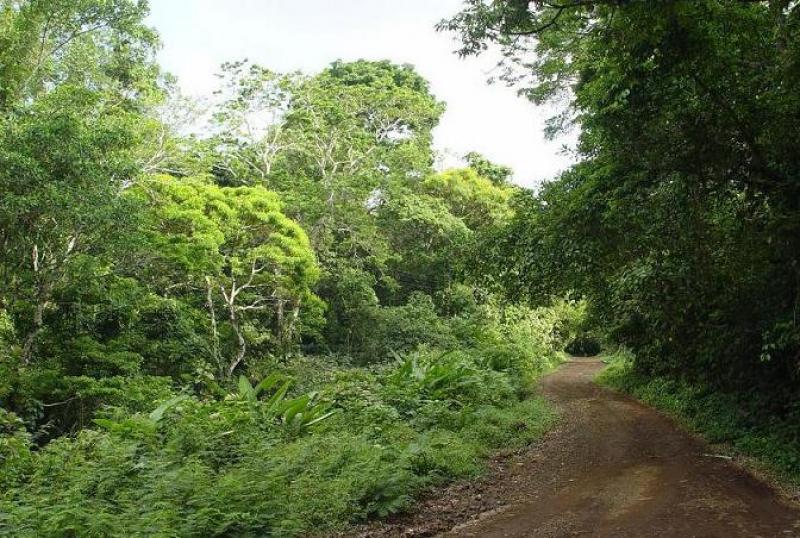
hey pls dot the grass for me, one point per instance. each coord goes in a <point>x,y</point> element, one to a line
<point>770,447</point>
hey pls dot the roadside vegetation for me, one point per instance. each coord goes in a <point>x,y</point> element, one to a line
<point>254,317</point>
<point>269,314</point>
<point>269,459</point>
<point>681,221</point>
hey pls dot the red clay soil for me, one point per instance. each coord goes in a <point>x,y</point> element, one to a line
<point>613,468</point>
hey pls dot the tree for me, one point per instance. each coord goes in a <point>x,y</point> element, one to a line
<point>345,134</point>
<point>336,147</point>
<point>98,45</point>
<point>75,78</point>
<point>235,250</point>
<point>429,240</point>
<point>469,196</point>
<point>496,173</point>
<point>250,120</point>
<point>682,223</point>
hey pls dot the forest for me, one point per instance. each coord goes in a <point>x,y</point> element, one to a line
<point>275,316</point>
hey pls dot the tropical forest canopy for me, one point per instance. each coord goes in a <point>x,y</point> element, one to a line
<point>682,221</point>
<point>274,315</point>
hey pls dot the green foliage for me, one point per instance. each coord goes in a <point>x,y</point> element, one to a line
<point>15,455</point>
<point>345,150</point>
<point>235,249</point>
<point>75,79</point>
<point>450,378</point>
<point>148,277</point>
<point>428,239</point>
<point>402,328</point>
<point>681,223</point>
<point>496,173</point>
<point>525,341</point>
<point>472,198</point>
<point>294,414</point>
<point>103,45</point>
<point>264,460</point>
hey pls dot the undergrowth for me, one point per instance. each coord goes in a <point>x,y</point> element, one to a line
<point>314,446</point>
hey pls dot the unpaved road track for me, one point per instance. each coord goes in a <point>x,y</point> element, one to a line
<point>613,468</point>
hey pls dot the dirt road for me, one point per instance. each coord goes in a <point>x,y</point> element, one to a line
<point>614,468</point>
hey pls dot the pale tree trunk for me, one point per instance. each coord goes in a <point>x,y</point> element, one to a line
<point>44,266</point>
<point>38,324</point>
<point>234,309</point>
<point>285,324</point>
<point>279,324</point>
<point>214,329</point>
<point>293,319</point>
<point>241,343</point>
<point>241,347</point>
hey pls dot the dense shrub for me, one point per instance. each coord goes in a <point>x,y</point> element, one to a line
<point>266,459</point>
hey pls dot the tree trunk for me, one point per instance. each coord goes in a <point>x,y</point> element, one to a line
<point>279,324</point>
<point>30,340</point>
<point>214,330</point>
<point>241,343</point>
<point>42,298</point>
<point>293,319</point>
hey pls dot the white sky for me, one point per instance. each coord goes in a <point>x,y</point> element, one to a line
<point>289,35</point>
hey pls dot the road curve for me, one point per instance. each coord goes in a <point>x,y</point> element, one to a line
<point>616,468</point>
<point>612,468</point>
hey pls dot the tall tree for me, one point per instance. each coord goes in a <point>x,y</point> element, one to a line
<point>232,251</point>
<point>76,77</point>
<point>682,223</point>
<point>336,146</point>
<point>496,173</point>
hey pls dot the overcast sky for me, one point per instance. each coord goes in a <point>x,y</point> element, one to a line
<point>289,35</point>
